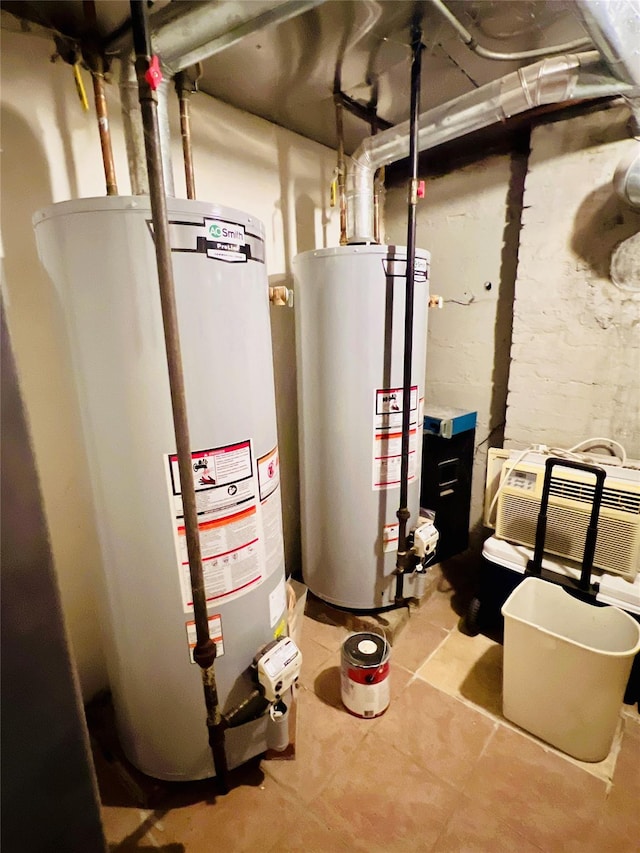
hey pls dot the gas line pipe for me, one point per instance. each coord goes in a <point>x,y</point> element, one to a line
<point>149,77</point>
<point>405,554</point>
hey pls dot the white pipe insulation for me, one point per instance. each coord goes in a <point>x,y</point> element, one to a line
<point>554,80</point>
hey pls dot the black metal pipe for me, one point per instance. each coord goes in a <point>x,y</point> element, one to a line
<point>404,557</point>
<point>368,114</point>
<point>205,650</point>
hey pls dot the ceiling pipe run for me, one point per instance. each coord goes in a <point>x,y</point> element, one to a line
<point>554,80</point>
<point>517,56</point>
<point>182,35</point>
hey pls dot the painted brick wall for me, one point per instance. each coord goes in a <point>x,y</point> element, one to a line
<point>575,357</point>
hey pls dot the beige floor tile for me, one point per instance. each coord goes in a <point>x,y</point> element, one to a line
<point>327,738</point>
<point>437,610</point>
<point>120,823</point>
<point>473,829</point>
<point>303,832</point>
<point>314,658</point>
<point>467,667</point>
<point>470,668</point>
<point>416,642</point>
<point>238,822</point>
<point>390,802</point>
<point>545,798</point>
<point>439,732</point>
<point>326,634</point>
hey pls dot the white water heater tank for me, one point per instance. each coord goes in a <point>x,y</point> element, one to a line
<point>100,256</point>
<point>350,318</point>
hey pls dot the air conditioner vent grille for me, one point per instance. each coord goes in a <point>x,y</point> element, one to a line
<point>616,546</point>
<point>574,490</point>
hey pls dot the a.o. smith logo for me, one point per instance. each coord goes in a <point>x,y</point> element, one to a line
<point>225,232</point>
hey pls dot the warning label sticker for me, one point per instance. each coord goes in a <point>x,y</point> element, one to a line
<point>387,436</point>
<point>226,484</point>
<point>390,533</point>
<point>215,632</point>
<point>269,480</point>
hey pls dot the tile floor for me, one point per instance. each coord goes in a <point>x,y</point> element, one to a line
<point>439,771</point>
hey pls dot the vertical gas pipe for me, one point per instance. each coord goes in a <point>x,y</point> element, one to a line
<point>148,72</point>
<point>404,555</point>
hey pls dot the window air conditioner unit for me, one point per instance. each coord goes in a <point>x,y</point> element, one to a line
<point>570,500</point>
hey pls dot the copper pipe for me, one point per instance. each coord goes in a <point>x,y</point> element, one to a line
<point>96,64</point>
<point>105,133</point>
<point>341,171</point>
<point>184,88</point>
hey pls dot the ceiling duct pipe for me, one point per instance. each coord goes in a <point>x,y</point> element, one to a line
<point>614,26</point>
<point>554,80</point>
<point>184,34</point>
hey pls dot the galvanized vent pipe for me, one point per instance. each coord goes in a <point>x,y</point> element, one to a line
<point>614,26</point>
<point>556,80</point>
<point>183,34</point>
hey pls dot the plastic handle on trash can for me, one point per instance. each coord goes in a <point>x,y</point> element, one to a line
<point>592,529</point>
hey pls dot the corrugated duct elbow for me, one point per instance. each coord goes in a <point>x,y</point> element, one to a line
<point>553,80</point>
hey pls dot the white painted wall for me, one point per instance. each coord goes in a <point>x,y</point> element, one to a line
<point>575,370</point>
<point>51,153</point>
<point>462,221</point>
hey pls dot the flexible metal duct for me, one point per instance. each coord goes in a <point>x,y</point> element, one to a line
<point>626,179</point>
<point>614,26</point>
<point>556,80</point>
<point>182,35</point>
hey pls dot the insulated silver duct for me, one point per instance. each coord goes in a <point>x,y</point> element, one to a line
<point>183,34</point>
<point>626,179</point>
<point>554,80</point>
<point>614,26</point>
<point>207,28</point>
<point>134,134</point>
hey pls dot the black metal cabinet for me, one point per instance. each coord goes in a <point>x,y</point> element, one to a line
<point>447,466</point>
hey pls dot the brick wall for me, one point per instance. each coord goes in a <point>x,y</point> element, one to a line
<point>575,357</point>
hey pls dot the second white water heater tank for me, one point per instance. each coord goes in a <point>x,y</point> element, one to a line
<point>350,314</point>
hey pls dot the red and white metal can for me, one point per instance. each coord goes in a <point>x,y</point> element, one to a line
<point>364,674</point>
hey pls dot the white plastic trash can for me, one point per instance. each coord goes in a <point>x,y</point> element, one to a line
<point>566,666</point>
